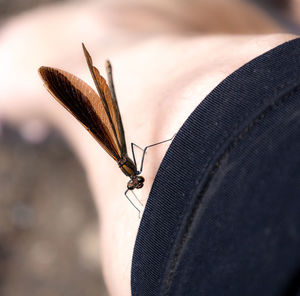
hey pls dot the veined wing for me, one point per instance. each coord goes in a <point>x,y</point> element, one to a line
<point>108,97</point>
<point>84,104</point>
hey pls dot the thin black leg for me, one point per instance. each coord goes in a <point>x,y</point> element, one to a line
<point>145,149</point>
<point>132,202</point>
<point>137,198</point>
<point>132,151</point>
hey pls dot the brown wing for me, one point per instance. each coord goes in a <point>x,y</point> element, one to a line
<point>84,104</point>
<point>116,107</point>
<point>109,102</point>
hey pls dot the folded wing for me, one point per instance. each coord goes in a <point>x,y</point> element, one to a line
<point>108,99</point>
<point>85,105</point>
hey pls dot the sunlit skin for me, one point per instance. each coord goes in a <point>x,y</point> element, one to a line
<point>159,80</point>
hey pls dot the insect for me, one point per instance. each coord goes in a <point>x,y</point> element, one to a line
<point>99,114</point>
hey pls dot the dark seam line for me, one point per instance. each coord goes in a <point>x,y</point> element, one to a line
<point>232,145</point>
<point>277,90</point>
<point>225,135</point>
<point>201,173</point>
<point>257,105</point>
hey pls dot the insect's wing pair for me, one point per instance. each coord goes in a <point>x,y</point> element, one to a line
<point>108,98</point>
<point>99,114</point>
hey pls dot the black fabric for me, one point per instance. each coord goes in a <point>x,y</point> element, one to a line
<point>223,215</point>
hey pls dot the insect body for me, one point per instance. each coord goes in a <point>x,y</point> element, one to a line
<point>99,114</point>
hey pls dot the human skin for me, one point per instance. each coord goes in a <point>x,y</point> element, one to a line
<point>159,80</point>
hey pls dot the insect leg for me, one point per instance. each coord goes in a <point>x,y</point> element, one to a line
<point>137,198</point>
<point>145,149</point>
<point>132,202</point>
<point>132,151</point>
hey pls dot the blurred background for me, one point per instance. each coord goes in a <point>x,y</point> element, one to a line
<point>48,222</point>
